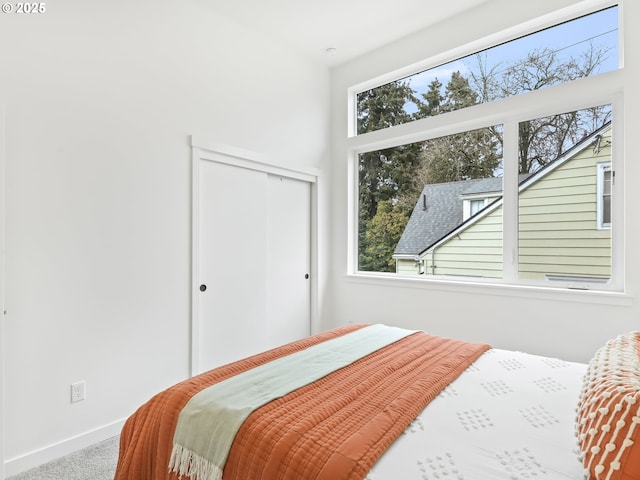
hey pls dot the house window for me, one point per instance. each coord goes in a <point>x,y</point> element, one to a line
<point>471,206</point>
<point>582,47</point>
<point>604,176</point>
<point>507,192</point>
<point>475,206</point>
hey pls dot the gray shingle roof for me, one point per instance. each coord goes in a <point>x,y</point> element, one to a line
<point>442,214</point>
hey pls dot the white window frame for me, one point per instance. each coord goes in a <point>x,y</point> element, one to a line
<point>606,88</point>
<point>602,168</point>
<point>467,205</point>
<point>476,201</point>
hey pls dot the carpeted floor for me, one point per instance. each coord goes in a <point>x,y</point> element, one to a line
<point>97,462</point>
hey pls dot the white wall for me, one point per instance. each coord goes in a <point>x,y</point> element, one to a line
<point>100,100</point>
<point>570,325</point>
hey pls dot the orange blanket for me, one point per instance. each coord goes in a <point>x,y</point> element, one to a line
<point>335,428</point>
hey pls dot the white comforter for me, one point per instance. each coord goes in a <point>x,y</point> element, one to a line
<point>509,416</point>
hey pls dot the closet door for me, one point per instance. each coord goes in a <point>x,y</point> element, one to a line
<point>252,262</point>
<point>288,260</point>
<point>232,295</point>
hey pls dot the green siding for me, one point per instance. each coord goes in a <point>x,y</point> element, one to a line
<point>406,267</point>
<point>558,221</point>
<point>476,251</point>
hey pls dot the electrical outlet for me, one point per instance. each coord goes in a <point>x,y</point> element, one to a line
<point>78,391</point>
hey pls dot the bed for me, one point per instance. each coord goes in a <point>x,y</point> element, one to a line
<point>381,403</point>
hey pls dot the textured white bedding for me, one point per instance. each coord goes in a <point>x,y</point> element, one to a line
<point>509,416</point>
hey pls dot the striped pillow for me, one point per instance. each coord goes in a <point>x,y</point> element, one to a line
<point>608,413</point>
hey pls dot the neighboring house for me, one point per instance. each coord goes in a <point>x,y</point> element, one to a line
<point>441,208</point>
<point>564,221</point>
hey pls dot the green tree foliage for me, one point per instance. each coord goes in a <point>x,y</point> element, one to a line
<point>458,94</point>
<point>383,106</point>
<point>379,240</point>
<point>384,173</point>
<point>433,100</point>
<point>455,157</point>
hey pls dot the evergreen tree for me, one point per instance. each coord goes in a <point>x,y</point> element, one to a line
<point>458,94</point>
<point>383,106</point>
<point>383,233</point>
<point>462,156</point>
<point>384,173</point>
<point>433,100</point>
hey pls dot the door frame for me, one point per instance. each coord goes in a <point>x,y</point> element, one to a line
<point>206,150</point>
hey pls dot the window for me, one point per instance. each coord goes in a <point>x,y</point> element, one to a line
<point>580,48</point>
<point>528,199</point>
<point>475,206</point>
<point>604,176</point>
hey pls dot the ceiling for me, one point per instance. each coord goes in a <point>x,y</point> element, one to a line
<point>334,31</point>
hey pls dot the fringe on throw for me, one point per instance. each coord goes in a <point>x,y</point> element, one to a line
<point>186,463</point>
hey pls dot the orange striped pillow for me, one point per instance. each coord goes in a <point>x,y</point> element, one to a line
<point>608,414</point>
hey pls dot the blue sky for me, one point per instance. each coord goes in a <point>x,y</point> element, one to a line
<point>569,39</point>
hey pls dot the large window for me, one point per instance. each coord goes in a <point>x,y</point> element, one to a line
<point>576,49</point>
<point>529,199</point>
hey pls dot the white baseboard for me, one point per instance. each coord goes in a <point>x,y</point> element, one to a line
<point>13,466</point>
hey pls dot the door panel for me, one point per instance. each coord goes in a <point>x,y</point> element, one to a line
<point>232,215</point>
<point>288,260</point>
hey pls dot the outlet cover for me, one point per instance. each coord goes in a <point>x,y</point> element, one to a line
<point>78,391</point>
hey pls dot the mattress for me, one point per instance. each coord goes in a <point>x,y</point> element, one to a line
<point>511,415</point>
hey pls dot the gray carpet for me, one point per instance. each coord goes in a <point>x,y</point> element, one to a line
<point>97,462</point>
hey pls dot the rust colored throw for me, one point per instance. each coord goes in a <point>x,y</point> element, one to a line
<point>335,428</point>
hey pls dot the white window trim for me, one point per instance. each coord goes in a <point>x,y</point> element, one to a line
<point>602,89</point>
<point>602,168</point>
<point>466,207</point>
<point>468,201</point>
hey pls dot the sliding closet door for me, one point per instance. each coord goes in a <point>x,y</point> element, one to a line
<point>288,260</point>
<point>253,262</point>
<point>232,298</point>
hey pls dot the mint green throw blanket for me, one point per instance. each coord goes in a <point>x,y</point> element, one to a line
<point>208,423</point>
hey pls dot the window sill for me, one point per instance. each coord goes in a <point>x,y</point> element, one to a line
<point>487,288</point>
